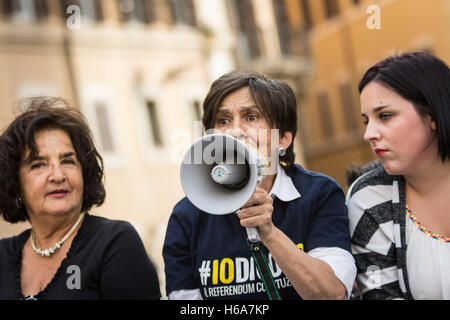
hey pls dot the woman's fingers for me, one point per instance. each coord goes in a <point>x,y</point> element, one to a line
<point>256,215</point>
<point>260,196</point>
<point>258,209</point>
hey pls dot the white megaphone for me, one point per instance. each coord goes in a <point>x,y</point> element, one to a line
<point>219,174</point>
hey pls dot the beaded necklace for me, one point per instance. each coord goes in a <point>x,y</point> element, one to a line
<point>52,250</point>
<point>425,230</point>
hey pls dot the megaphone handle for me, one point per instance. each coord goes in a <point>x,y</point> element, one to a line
<point>252,233</point>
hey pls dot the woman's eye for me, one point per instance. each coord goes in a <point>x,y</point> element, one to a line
<point>385,116</point>
<point>68,161</point>
<point>37,165</point>
<point>252,117</point>
<point>365,121</point>
<point>222,121</point>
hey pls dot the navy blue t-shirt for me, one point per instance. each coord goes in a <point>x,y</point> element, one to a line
<point>210,252</point>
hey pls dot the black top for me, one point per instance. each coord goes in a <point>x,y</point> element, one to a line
<point>107,260</point>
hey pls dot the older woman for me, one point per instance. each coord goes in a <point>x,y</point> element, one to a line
<point>51,175</point>
<point>300,215</point>
<point>399,216</point>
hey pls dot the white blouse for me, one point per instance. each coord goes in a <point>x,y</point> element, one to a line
<point>428,264</point>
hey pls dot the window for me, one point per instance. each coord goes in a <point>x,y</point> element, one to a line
<point>25,9</point>
<point>183,12</point>
<point>154,123</point>
<point>282,26</point>
<point>5,6</point>
<point>247,26</point>
<point>331,8</point>
<point>197,110</point>
<point>105,133</point>
<point>348,107</point>
<point>27,90</point>
<point>142,11</point>
<point>306,14</point>
<point>325,116</point>
<point>91,10</point>
<point>98,103</point>
<point>41,9</point>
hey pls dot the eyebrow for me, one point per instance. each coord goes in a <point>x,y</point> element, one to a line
<point>242,109</point>
<point>68,154</point>
<point>64,155</point>
<point>377,109</point>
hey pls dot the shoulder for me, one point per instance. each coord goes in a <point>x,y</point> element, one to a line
<point>184,205</point>
<point>311,182</point>
<point>105,230</point>
<point>185,218</point>
<point>320,195</point>
<point>6,247</point>
<point>182,226</point>
<point>370,201</point>
<point>371,189</point>
<point>99,234</point>
<point>105,224</point>
<point>6,243</point>
<point>10,245</point>
<point>10,250</point>
<point>184,210</point>
<point>374,178</point>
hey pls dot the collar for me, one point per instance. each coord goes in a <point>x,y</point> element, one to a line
<point>283,188</point>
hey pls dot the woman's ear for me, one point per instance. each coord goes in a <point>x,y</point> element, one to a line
<point>433,125</point>
<point>285,140</point>
<point>429,117</point>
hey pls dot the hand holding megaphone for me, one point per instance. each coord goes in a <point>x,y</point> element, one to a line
<point>220,173</point>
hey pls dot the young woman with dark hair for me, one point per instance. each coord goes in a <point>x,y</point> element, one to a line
<point>399,218</point>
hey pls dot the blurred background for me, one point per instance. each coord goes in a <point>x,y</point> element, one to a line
<point>139,70</point>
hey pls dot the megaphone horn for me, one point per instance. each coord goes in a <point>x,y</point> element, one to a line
<point>219,174</point>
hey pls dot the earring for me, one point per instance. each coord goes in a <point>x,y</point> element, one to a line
<point>19,202</point>
<point>282,151</point>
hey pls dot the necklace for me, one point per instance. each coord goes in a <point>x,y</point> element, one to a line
<point>424,229</point>
<point>52,250</point>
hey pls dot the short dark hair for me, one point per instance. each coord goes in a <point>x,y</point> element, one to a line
<point>355,171</point>
<point>275,99</point>
<point>422,79</point>
<point>43,113</point>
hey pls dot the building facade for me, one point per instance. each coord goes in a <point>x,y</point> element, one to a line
<point>138,70</point>
<point>345,38</point>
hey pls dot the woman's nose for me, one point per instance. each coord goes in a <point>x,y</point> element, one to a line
<point>237,130</point>
<point>372,133</point>
<point>56,174</point>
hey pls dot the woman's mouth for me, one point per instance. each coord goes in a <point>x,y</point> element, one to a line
<point>58,193</point>
<point>380,152</point>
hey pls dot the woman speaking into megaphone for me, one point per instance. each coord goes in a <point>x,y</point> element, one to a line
<point>300,216</point>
